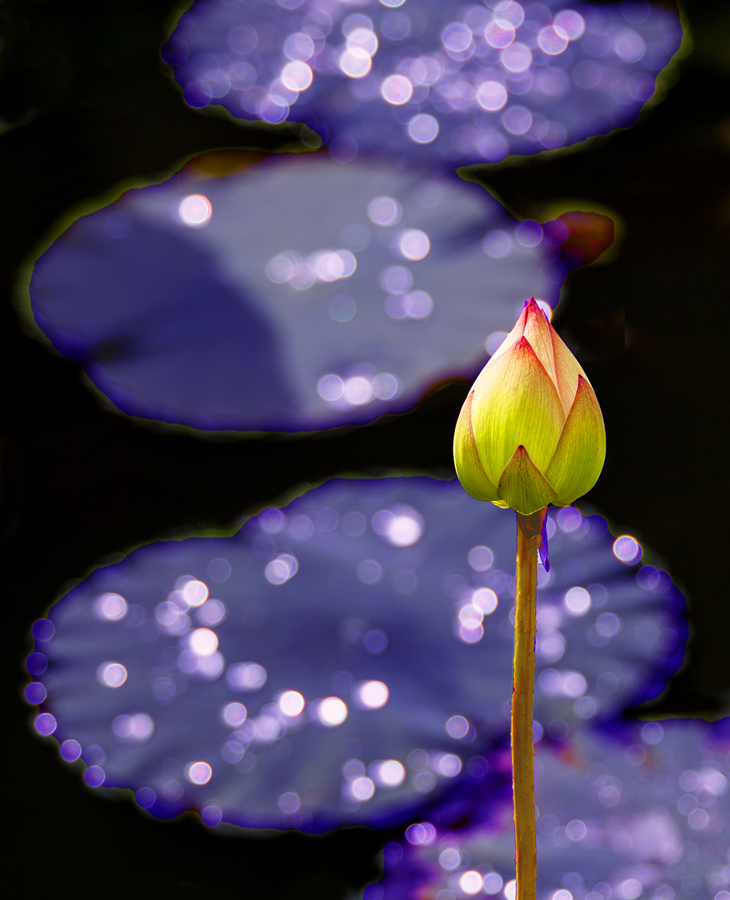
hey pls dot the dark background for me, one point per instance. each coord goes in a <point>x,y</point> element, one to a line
<point>86,104</point>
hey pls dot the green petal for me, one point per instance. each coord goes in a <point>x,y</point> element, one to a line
<point>581,450</point>
<point>466,459</point>
<point>567,370</point>
<point>515,403</point>
<point>523,485</point>
<point>539,332</point>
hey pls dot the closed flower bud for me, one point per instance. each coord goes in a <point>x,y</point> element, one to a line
<point>531,432</point>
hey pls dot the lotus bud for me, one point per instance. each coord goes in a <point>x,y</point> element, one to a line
<point>531,432</point>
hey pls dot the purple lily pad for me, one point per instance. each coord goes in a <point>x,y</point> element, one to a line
<point>643,813</point>
<point>442,84</point>
<point>346,659</point>
<point>299,294</point>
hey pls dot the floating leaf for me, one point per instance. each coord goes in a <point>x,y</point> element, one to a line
<point>346,659</point>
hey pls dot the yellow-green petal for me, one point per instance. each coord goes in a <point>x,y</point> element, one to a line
<point>539,333</point>
<point>523,486</point>
<point>515,403</point>
<point>567,371</point>
<point>466,459</point>
<point>581,450</point>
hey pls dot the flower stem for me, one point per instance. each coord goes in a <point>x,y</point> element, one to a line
<point>523,784</point>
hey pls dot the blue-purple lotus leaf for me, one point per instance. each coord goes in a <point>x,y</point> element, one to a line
<point>438,83</point>
<point>642,812</point>
<point>300,293</point>
<point>346,659</point>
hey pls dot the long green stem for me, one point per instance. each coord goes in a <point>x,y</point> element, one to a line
<point>523,782</point>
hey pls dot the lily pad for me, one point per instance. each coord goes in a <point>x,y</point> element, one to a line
<point>346,659</point>
<point>298,294</point>
<point>442,84</point>
<point>637,814</point>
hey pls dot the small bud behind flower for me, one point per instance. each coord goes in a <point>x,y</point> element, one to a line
<point>531,432</point>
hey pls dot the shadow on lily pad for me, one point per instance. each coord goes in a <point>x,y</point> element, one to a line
<point>298,294</point>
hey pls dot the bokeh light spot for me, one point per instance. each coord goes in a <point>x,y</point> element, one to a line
<point>422,833</point>
<point>353,524</point>
<point>449,765</point>
<point>471,882</point>
<point>45,724</point>
<point>355,62</point>
<point>652,732</point>
<point>43,630</point>
<point>248,676</point>
<point>296,75</point>
<point>517,120</point>
<point>396,90</point>
<point>213,612</point>
<point>291,703</point>
<point>70,750</point>
<point>552,40</point>
<point>571,23</point>
<point>386,386</point>
<point>289,802</point>
<point>362,788</point>
<point>298,46</point>
<point>401,526</point>
<point>111,674</point>
<point>499,34</point>
<point>480,558</point>
<point>331,711</point>
<point>330,388</point>
<point>110,607</point>
<point>357,390</point>
<point>396,279</point>
<point>94,776</point>
<point>384,211</point>
<point>36,663</point>
<point>494,341</point>
<point>485,600</point>
<point>414,244</point>
<point>449,859</point>
<point>35,693</point>
<point>198,772</point>
<point>234,714</point>
<point>457,727</point>
<point>627,549</point>
<point>195,592</point>
<point>375,641</point>
<point>497,244</point>
<point>389,773</point>
<point>145,797</point>
<point>577,601</point>
<point>608,625</point>
<point>203,642</point>
<point>281,569</point>
<point>569,519</point>
<point>138,727</point>
<point>491,95</point>
<point>423,129</point>
<point>195,211</point>
<point>371,694</point>
<point>369,571</point>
